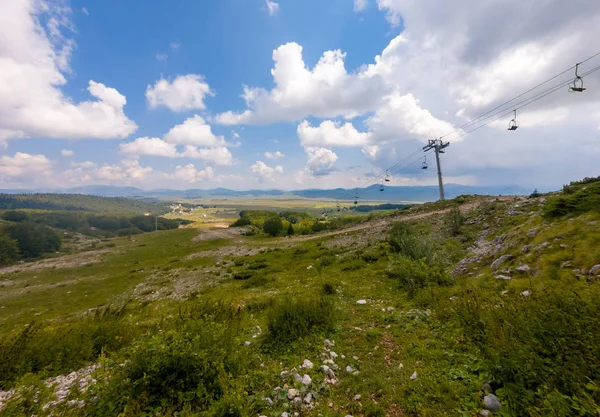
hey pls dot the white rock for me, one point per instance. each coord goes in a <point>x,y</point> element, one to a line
<point>400,366</point>
<point>333,354</point>
<point>284,414</point>
<point>526,293</point>
<point>357,397</point>
<point>297,377</point>
<point>292,392</point>
<point>349,369</point>
<point>413,376</point>
<point>306,380</point>
<point>361,302</point>
<point>484,413</point>
<point>491,402</point>
<point>308,398</point>
<point>343,356</point>
<point>355,358</point>
<point>307,364</point>
<point>247,343</point>
<point>329,343</point>
<point>309,267</point>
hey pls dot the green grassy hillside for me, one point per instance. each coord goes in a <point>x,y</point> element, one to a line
<point>487,309</point>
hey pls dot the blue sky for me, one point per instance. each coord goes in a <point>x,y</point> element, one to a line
<point>342,90</point>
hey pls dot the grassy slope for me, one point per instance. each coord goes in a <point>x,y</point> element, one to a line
<point>390,344</point>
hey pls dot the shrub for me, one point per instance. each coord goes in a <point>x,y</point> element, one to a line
<point>291,320</point>
<point>242,275</point>
<point>416,274</point>
<point>15,216</point>
<point>290,230</point>
<point>577,198</point>
<point>329,289</point>
<point>197,364</point>
<point>535,194</point>
<point>326,260</point>
<point>454,221</point>
<point>404,240</point>
<point>242,221</point>
<point>273,226</point>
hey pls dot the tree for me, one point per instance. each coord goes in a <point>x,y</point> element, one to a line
<point>9,251</point>
<point>290,230</point>
<point>273,226</point>
<point>535,194</point>
<point>34,239</point>
<point>15,216</point>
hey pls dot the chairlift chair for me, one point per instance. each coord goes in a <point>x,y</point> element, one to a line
<point>424,164</point>
<point>513,124</point>
<point>577,84</point>
<point>387,177</point>
<point>381,187</point>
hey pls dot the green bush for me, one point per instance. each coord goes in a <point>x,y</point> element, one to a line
<point>291,320</point>
<point>576,198</point>
<point>413,275</point>
<point>454,221</point>
<point>242,221</point>
<point>195,364</point>
<point>242,275</point>
<point>404,240</point>
<point>290,230</point>
<point>273,226</point>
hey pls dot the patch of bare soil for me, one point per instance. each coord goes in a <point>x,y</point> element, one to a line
<point>219,233</point>
<point>68,261</point>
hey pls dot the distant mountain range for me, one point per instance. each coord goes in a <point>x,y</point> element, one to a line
<point>371,193</point>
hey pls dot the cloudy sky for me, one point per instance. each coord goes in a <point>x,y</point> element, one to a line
<point>294,94</point>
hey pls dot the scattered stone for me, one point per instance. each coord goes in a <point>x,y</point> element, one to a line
<point>496,264</point>
<point>355,358</point>
<point>525,269</point>
<point>593,223</point>
<point>413,376</point>
<point>292,392</point>
<point>349,369</point>
<point>525,249</point>
<point>297,400</point>
<point>503,277</point>
<point>361,302</point>
<point>505,292</point>
<point>484,413</point>
<point>269,401</point>
<point>333,354</point>
<point>309,267</point>
<point>357,397</point>
<point>595,270</point>
<point>400,366</point>
<point>329,343</point>
<point>307,364</point>
<point>526,293</point>
<point>532,232</point>
<point>247,343</point>
<point>308,398</point>
<point>285,414</point>
<point>487,388</point>
<point>306,380</point>
<point>343,356</point>
<point>541,246</point>
<point>297,377</point>
<point>453,298</point>
<point>491,402</point>
<point>390,309</point>
<point>566,264</point>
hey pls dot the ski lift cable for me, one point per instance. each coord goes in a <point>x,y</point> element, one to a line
<point>523,103</point>
<point>522,94</point>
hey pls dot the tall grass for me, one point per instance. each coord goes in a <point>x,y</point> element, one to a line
<point>295,319</point>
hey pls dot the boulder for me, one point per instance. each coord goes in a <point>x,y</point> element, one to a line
<point>307,364</point>
<point>414,376</point>
<point>595,270</point>
<point>306,380</point>
<point>292,392</point>
<point>496,264</point>
<point>525,269</point>
<point>492,402</point>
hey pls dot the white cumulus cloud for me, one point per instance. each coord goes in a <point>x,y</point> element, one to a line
<point>24,165</point>
<point>186,92</point>
<point>148,146</point>
<point>265,173</point>
<point>330,134</point>
<point>33,61</point>
<point>67,153</point>
<point>190,174</point>
<point>320,161</point>
<point>274,155</point>
<point>194,131</point>
<point>360,5</point>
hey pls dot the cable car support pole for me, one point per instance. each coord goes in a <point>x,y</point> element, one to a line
<point>438,146</point>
